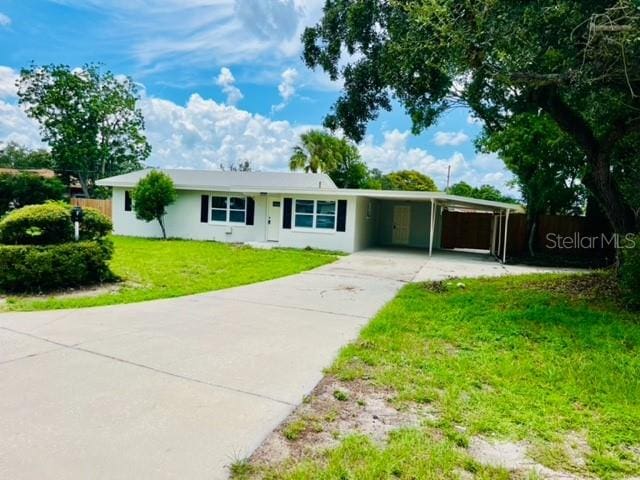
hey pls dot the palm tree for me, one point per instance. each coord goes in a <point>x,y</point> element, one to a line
<point>318,151</point>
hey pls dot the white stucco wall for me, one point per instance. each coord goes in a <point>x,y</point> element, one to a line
<point>183,221</point>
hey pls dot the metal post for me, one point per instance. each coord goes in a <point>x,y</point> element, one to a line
<point>499,251</point>
<point>506,231</point>
<point>432,225</point>
<point>494,230</point>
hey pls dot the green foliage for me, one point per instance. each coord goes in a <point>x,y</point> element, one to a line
<point>630,272</point>
<point>18,190</point>
<point>483,192</point>
<point>318,151</point>
<point>45,224</point>
<point>546,161</point>
<point>31,268</point>
<point>151,197</point>
<point>13,155</point>
<point>50,223</point>
<point>578,62</point>
<point>152,269</point>
<point>94,225</point>
<point>88,117</point>
<point>408,180</point>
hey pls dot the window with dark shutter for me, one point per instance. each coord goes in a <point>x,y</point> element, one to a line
<point>286,214</point>
<point>342,216</point>
<point>204,209</point>
<point>251,208</point>
<point>127,201</point>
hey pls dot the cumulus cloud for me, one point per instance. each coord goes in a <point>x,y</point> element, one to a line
<point>227,81</point>
<point>15,126</point>
<point>5,20</point>
<point>450,139</point>
<point>286,88</point>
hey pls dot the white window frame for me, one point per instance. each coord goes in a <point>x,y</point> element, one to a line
<point>314,216</point>
<point>228,210</point>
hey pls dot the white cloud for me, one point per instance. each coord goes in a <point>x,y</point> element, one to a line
<point>8,78</point>
<point>286,88</point>
<point>451,139</point>
<point>473,120</point>
<point>227,81</point>
<point>5,20</point>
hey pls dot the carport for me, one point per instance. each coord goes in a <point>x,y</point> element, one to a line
<point>434,220</point>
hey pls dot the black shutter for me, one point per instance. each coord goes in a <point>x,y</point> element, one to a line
<point>127,201</point>
<point>251,207</point>
<point>204,209</point>
<point>341,225</point>
<point>286,217</point>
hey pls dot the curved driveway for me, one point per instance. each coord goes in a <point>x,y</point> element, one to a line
<point>180,388</point>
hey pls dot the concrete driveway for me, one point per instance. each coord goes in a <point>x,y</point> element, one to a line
<point>180,388</point>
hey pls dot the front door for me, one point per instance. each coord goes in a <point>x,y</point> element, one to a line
<point>273,218</point>
<point>401,224</point>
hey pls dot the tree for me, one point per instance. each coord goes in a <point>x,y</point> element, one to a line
<point>13,155</point>
<point>151,197</point>
<point>88,117</point>
<point>408,180</point>
<point>350,171</point>
<point>547,165</point>
<point>578,62</point>
<point>19,190</point>
<point>317,151</point>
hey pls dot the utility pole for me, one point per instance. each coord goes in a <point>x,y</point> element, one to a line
<point>448,178</point>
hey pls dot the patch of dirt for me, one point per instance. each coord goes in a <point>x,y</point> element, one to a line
<point>514,457</point>
<point>439,286</point>
<point>333,410</point>
<point>596,286</point>
<point>91,291</point>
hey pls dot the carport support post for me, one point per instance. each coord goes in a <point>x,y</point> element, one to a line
<point>432,225</point>
<point>506,231</point>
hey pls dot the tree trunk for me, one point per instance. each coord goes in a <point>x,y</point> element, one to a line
<point>164,232</point>
<point>84,184</point>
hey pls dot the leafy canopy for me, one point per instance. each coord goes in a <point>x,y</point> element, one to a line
<point>18,190</point>
<point>13,155</point>
<point>89,118</point>
<point>151,197</point>
<point>408,180</point>
<point>576,62</point>
<point>483,192</point>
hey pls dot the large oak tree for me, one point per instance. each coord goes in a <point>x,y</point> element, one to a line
<point>576,62</point>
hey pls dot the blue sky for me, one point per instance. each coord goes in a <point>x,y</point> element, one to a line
<point>221,81</point>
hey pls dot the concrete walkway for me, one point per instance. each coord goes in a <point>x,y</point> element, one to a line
<point>181,388</point>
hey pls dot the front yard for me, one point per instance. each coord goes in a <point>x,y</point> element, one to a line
<point>518,377</point>
<point>152,269</point>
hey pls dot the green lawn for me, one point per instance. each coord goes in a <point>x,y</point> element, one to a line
<point>152,269</point>
<point>519,358</point>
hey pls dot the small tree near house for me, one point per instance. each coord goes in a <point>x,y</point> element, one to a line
<point>151,197</point>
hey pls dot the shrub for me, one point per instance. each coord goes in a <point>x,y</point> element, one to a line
<point>49,224</point>
<point>45,224</point>
<point>28,189</point>
<point>630,273</point>
<point>94,225</point>
<point>34,268</point>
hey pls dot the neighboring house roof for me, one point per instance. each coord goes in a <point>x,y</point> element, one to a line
<point>41,172</point>
<point>215,179</point>
<point>300,184</point>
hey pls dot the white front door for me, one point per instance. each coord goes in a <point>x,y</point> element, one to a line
<point>401,224</point>
<point>273,218</point>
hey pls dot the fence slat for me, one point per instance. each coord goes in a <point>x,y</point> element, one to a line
<point>103,206</point>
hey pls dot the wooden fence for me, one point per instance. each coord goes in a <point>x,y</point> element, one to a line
<point>554,234</point>
<point>103,206</point>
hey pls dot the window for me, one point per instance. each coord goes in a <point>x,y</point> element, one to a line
<point>228,209</point>
<point>128,202</point>
<point>318,214</point>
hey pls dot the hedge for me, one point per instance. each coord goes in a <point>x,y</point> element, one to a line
<point>50,223</point>
<point>45,224</point>
<point>630,272</point>
<point>34,268</point>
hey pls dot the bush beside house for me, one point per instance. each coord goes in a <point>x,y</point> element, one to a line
<point>37,251</point>
<point>630,273</point>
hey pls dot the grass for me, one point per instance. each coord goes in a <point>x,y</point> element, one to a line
<point>519,358</point>
<point>152,269</point>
